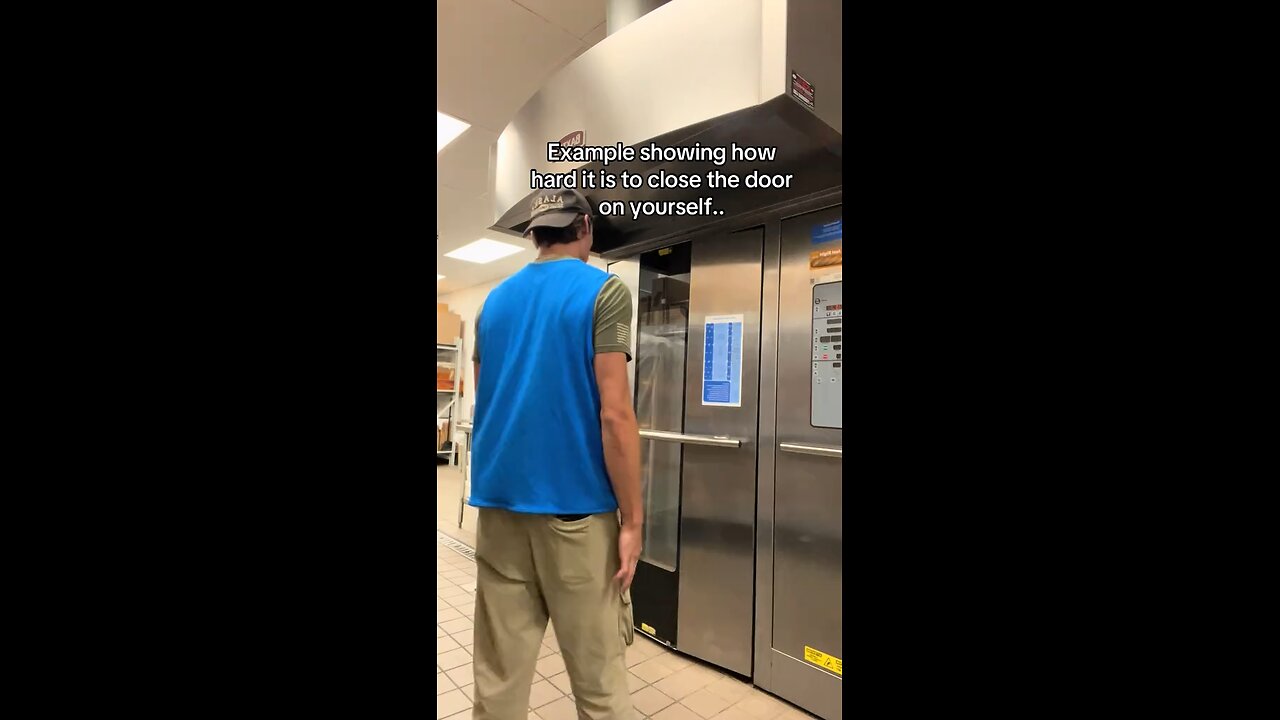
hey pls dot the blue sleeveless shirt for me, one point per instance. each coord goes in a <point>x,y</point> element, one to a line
<point>537,446</point>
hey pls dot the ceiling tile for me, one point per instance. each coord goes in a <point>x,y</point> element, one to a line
<point>592,39</point>
<point>578,17</point>
<point>462,218</point>
<point>492,56</point>
<point>464,164</point>
<point>596,35</point>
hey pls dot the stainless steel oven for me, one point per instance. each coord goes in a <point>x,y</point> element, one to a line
<point>738,381</point>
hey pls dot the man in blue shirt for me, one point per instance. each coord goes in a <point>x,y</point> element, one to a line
<point>555,473</point>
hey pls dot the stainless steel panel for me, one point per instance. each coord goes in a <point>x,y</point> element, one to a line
<point>691,439</point>
<point>662,327</point>
<point>629,77</point>
<point>717,526</point>
<point>807,148</point>
<point>815,51</point>
<point>807,512</point>
<point>621,13</point>
<point>762,673</point>
<point>813,690</point>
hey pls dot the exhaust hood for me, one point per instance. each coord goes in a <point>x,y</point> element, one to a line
<point>688,74</point>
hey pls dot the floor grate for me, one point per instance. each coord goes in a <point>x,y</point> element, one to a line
<point>463,550</point>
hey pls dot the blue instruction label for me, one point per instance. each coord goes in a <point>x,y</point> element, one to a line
<point>722,361</point>
<point>828,232</point>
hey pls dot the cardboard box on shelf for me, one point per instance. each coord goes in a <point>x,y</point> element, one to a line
<point>448,325</point>
<point>446,374</point>
<point>442,433</point>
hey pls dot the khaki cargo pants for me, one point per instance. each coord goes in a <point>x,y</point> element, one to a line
<point>534,567</point>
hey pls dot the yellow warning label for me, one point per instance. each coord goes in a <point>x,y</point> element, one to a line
<point>648,628</point>
<point>664,251</point>
<point>823,660</point>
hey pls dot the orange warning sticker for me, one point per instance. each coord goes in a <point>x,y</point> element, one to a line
<point>826,258</point>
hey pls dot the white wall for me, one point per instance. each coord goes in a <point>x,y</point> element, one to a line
<point>465,303</point>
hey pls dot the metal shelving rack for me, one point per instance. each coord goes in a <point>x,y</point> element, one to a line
<point>465,463</point>
<point>447,401</point>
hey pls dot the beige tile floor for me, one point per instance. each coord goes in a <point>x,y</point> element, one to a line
<point>665,685</point>
<point>448,497</point>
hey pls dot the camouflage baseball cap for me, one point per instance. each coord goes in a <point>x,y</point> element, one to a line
<point>557,208</point>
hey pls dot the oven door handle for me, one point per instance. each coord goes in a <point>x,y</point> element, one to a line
<point>823,450</point>
<point>690,439</point>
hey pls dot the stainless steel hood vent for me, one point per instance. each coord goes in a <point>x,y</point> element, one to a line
<point>711,72</point>
<point>621,13</point>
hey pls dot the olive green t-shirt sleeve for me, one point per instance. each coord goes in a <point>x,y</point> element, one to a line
<point>613,318</point>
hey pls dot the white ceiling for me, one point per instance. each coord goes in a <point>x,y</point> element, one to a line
<point>492,56</point>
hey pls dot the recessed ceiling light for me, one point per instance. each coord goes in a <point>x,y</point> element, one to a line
<point>447,129</point>
<point>483,250</point>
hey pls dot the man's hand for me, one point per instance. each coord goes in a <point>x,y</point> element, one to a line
<point>629,545</point>
<point>620,436</point>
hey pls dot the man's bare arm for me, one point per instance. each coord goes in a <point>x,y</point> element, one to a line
<point>621,434</point>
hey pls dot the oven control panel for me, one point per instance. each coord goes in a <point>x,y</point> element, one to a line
<point>828,350</point>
